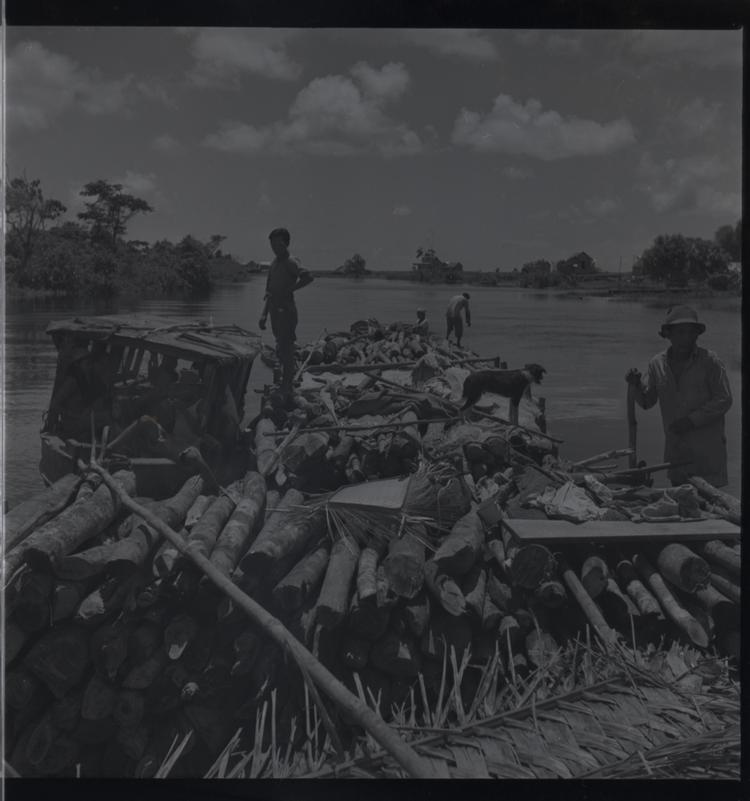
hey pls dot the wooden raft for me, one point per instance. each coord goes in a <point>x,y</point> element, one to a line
<point>615,530</point>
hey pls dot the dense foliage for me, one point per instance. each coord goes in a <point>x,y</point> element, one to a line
<point>538,275</point>
<point>354,265</point>
<point>92,257</point>
<point>676,260</point>
<point>27,214</point>
<point>108,213</point>
<point>729,239</point>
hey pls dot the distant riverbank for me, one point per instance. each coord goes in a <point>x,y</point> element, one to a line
<point>618,289</point>
<point>606,286</point>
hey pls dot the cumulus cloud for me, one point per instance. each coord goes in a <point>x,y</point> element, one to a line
<point>385,84</point>
<point>590,211</point>
<point>158,91</point>
<point>528,38</point>
<point>401,211</point>
<point>335,115</point>
<point>726,205</point>
<point>697,118</point>
<point>167,144</point>
<point>516,173</point>
<point>564,42</point>
<point>145,185</point>
<point>223,54</point>
<point>471,45</point>
<point>703,48</point>
<point>526,129</point>
<point>139,183</point>
<point>601,206</point>
<point>42,84</point>
<point>692,183</point>
<point>561,42</point>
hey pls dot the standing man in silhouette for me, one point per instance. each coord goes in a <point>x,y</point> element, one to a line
<point>453,316</point>
<point>692,388</point>
<point>285,277</point>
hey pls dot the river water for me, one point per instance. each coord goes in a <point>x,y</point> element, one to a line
<point>585,344</point>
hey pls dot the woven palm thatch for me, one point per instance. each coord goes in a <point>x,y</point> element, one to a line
<point>633,725</point>
<point>435,495</point>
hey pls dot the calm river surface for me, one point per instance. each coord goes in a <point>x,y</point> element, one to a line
<point>586,345</point>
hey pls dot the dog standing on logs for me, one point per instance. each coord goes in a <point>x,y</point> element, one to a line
<point>513,384</point>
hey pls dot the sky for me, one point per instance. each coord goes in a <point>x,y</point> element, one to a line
<point>494,147</point>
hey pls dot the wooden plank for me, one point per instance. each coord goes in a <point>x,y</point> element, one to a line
<point>616,530</point>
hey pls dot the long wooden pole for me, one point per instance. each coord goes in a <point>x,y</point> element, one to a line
<point>632,428</point>
<point>474,411</point>
<point>273,462</point>
<point>334,367</point>
<point>402,752</point>
<point>309,356</point>
<point>646,470</point>
<point>344,427</point>
<point>603,457</point>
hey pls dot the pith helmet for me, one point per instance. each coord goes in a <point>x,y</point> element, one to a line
<point>681,314</point>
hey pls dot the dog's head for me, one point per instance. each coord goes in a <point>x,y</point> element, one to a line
<point>536,371</point>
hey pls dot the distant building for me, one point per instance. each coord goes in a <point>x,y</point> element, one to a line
<point>432,269</point>
<point>540,267</point>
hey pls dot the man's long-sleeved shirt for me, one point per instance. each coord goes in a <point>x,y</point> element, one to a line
<point>455,304</point>
<point>702,393</point>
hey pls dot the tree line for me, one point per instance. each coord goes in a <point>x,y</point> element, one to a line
<point>672,259</point>
<point>678,260</point>
<point>91,255</point>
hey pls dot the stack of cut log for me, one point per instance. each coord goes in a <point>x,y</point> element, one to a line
<point>115,645</point>
<point>112,647</point>
<point>117,648</point>
<point>369,342</point>
<point>392,614</point>
<point>361,425</point>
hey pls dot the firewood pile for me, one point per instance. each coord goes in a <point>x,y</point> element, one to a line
<point>378,527</point>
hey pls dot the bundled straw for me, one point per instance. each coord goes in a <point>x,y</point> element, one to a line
<point>434,496</point>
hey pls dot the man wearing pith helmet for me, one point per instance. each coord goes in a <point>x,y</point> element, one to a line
<point>693,391</point>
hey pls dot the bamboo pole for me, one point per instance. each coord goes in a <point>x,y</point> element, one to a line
<point>617,453</point>
<point>374,725</point>
<point>275,456</point>
<point>335,367</point>
<point>634,472</point>
<point>302,368</point>
<point>632,428</point>
<point>474,411</point>
<point>344,427</point>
